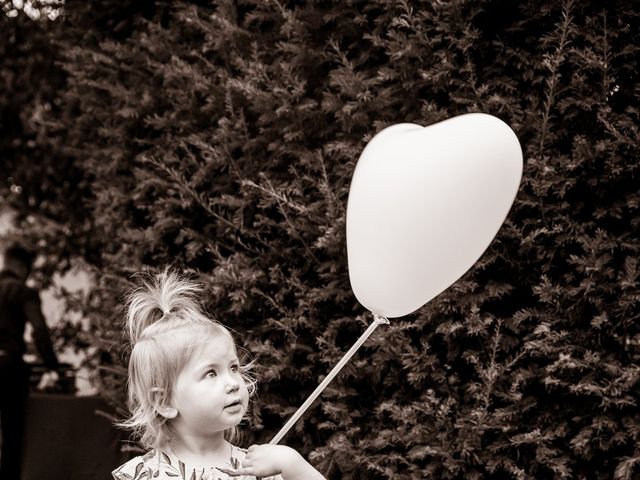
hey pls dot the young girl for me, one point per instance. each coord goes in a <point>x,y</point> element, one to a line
<point>188,392</point>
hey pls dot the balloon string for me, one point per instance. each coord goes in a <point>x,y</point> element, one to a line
<point>347,356</point>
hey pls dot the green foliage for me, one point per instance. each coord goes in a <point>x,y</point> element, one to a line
<point>221,138</point>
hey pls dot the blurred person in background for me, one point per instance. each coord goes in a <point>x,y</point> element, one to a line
<point>19,304</point>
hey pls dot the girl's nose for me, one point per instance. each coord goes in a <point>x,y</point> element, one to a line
<point>232,385</point>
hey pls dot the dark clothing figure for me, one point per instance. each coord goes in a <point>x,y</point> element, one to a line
<point>14,390</point>
<point>19,304</point>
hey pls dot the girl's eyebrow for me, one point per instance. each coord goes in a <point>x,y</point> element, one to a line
<point>206,366</point>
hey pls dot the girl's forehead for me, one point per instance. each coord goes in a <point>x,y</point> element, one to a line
<point>212,350</point>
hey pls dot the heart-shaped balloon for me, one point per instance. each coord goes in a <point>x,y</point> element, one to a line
<point>424,204</point>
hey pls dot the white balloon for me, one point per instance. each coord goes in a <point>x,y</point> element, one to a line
<point>424,204</point>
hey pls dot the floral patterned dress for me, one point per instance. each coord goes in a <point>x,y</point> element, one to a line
<point>164,465</point>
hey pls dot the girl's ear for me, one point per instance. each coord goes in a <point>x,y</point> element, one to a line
<point>167,411</point>
<point>161,405</point>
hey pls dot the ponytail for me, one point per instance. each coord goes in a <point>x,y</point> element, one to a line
<point>162,302</point>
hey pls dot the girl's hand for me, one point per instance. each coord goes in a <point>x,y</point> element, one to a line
<point>268,460</point>
<point>264,461</point>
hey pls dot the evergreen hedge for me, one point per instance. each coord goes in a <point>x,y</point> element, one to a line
<point>220,137</point>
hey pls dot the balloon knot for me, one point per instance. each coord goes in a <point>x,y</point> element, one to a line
<point>381,319</point>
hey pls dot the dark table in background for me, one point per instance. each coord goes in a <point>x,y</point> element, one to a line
<point>67,440</point>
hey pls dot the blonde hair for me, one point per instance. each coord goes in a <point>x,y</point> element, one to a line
<point>165,325</point>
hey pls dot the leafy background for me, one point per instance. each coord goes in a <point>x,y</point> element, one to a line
<point>220,137</point>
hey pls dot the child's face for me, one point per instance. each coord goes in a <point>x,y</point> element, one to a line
<point>210,394</point>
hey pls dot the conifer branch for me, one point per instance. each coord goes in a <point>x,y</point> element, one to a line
<point>605,60</point>
<point>625,469</point>
<point>330,197</point>
<point>553,64</point>
<point>183,185</point>
<point>282,201</point>
<point>631,139</point>
<point>280,198</point>
<point>492,372</point>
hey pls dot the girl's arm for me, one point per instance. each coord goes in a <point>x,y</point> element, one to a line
<point>268,460</point>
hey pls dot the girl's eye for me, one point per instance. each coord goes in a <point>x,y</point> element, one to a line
<point>211,373</point>
<point>235,368</point>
